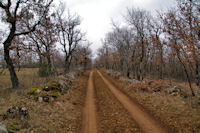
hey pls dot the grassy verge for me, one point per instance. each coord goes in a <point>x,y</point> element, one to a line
<point>171,110</point>
<point>112,115</point>
<point>28,77</point>
<point>62,115</point>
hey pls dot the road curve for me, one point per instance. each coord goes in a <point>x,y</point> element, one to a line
<point>144,120</point>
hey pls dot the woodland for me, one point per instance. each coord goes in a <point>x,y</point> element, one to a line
<point>145,77</point>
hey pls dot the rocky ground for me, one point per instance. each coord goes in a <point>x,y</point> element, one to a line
<point>113,103</point>
<point>172,104</point>
<point>52,107</point>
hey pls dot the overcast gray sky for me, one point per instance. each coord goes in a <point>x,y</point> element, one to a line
<point>97,14</point>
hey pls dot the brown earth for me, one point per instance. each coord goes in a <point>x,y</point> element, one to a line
<point>63,115</point>
<point>176,113</point>
<point>113,117</point>
<point>89,112</point>
<point>144,120</point>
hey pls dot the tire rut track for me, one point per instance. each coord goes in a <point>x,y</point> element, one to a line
<point>89,124</point>
<point>114,118</point>
<point>144,120</point>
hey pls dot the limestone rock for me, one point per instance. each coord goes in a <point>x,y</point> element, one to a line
<point>3,128</point>
<point>37,91</point>
<point>40,99</point>
<point>46,99</point>
<point>17,112</point>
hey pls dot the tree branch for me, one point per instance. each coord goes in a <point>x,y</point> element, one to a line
<point>27,32</point>
<point>16,8</point>
<point>9,3</point>
<point>33,28</point>
<point>2,6</point>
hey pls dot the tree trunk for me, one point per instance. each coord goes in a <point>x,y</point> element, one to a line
<point>187,75</point>
<point>49,67</point>
<point>85,64</point>
<point>162,62</point>
<point>141,66</point>
<point>67,63</point>
<point>7,58</point>
<point>11,68</point>
<point>197,80</point>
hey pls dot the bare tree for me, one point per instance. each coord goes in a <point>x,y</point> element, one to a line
<point>138,19</point>
<point>155,27</point>
<point>70,34</point>
<point>43,42</point>
<point>82,56</point>
<point>22,16</point>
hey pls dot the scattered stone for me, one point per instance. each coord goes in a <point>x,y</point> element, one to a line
<point>53,88</point>
<point>17,112</point>
<point>177,88</point>
<point>134,81</point>
<point>131,81</point>
<point>32,91</point>
<point>183,94</point>
<point>46,88</point>
<point>24,112</point>
<point>169,86</point>
<point>157,89</point>
<point>46,99</point>
<point>73,75</point>
<point>3,117</point>
<point>174,94</point>
<point>176,91</point>
<point>12,112</point>
<point>3,128</point>
<point>40,99</point>
<point>63,85</point>
<point>38,91</point>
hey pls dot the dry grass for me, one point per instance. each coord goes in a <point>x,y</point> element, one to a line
<point>62,115</point>
<point>28,77</point>
<point>113,117</point>
<point>174,111</point>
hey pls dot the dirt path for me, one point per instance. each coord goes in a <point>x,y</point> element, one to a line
<point>89,112</point>
<point>113,117</point>
<point>145,121</point>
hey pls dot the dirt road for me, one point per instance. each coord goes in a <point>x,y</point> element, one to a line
<point>144,120</point>
<point>89,113</point>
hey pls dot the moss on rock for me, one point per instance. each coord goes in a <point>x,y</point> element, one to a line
<point>53,85</point>
<point>32,91</point>
<point>55,94</point>
<point>14,127</point>
<point>43,94</point>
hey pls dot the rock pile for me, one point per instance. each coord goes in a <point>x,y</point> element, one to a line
<point>149,86</point>
<point>176,91</point>
<point>3,128</point>
<point>52,89</point>
<point>159,86</point>
<point>16,112</point>
<point>130,81</point>
<point>114,74</point>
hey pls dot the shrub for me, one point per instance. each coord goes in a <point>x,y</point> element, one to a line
<point>43,70</point>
